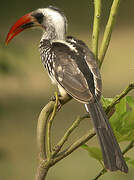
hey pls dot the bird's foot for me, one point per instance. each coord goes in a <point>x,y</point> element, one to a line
<point>53,98</point>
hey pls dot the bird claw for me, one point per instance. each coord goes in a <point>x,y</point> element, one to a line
<point>53,98</point>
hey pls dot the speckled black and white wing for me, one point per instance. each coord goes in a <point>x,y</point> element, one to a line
<point>72,71</point>
<point>91,62</point>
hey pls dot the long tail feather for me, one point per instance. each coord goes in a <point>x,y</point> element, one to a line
<point>113,158</point>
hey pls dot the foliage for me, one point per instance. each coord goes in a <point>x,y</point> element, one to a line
<point>122,120</point>
<point>94,152</point>
<point>130,161</point>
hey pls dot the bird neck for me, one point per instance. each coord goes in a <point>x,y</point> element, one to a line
<point>54,34</point>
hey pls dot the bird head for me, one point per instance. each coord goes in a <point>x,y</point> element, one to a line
<point>50,19</point>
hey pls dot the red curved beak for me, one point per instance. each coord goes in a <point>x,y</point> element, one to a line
<point>24,22</point>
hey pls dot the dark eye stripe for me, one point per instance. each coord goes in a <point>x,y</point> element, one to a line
<point>39,17</point>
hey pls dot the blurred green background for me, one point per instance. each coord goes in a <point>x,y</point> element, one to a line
<point>25,88</point>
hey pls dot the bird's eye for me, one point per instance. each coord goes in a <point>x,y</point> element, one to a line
<point>39,17</point>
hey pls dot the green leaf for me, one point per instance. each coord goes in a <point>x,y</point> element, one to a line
<point>131,162</point>
<point>130,101</point>
<point>119,114</point>
<point>127,158</point>
<point>121,107</point>
<point>93,152</point>
<point>122,121</point>
<point>106,101</point>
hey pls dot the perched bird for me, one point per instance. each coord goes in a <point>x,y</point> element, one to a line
<point>73,68</point>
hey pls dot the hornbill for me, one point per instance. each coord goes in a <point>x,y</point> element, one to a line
<point>73,68</point>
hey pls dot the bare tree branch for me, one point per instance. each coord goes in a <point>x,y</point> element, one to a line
<point>119,97</point>
<point>68,133</point>
<point>108,30</point>
<point>75,145</point>
<point>96,27</point>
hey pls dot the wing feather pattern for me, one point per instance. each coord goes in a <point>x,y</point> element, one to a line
<point>92,64</point>
<point>72,72</point>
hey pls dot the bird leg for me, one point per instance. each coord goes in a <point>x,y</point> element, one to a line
<point>53,98</point>
<point>62,94</point>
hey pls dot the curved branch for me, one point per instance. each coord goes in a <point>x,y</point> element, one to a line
<point>42,125</point>
<point>44,162</point>
<point>41,129</point>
